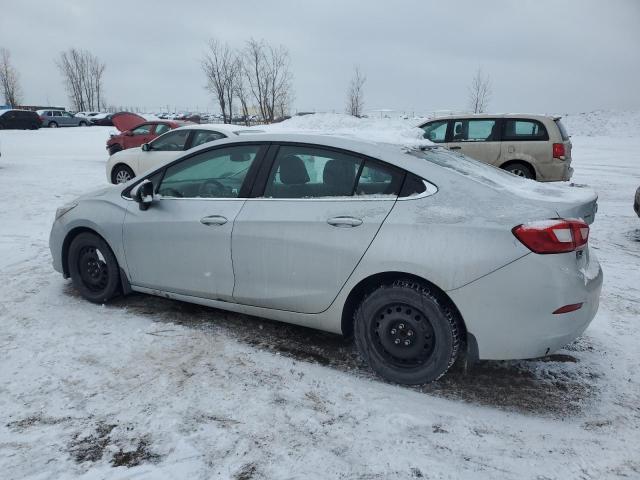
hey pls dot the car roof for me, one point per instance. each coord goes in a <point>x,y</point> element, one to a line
<point>534,116</point>
<point>218,127</point>
<point>393,153</point>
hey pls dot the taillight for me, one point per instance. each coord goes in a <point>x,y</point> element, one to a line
<point>558,150</point>
<point>553,236</point>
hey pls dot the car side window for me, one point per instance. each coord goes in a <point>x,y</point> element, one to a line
<point>142,130</point>
<point>436,131</point>
<point>66,114</point>
<point>217,173</point>
<point>56,114</point>
<point>519,130</point>
<point>205,136</point>
<point>171,142</point>
<point>162,128</point>
<point>377,179</point>
<point>475,130</point>
<point>311,172</point>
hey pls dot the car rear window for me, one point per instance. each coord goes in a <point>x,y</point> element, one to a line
<point>563,131</point>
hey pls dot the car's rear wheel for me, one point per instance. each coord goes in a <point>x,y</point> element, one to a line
<point>520,169</point>
<point>93,268</point>
<point>407,333</point>
<point>34,126</point>
<point>53,125</point>
<point>83,124</point>
<point>121,174</point>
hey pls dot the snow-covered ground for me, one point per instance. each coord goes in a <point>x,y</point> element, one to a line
<point>150,388</point>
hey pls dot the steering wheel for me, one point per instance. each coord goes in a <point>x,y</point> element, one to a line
<point>212,188</point>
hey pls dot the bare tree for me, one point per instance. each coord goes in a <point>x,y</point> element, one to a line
<point>221,67</point>
<point>266,69</point>
<point>479,92</point>
<point>9,79</point>
<point>355,101</point>
<point>82,73</point>
<point>242,93</point>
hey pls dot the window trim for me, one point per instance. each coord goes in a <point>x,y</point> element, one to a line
<point>257,192</point>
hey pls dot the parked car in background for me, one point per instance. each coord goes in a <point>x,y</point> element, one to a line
<point>86,114</point>
<point>348,237</point>
<point>135,130</point>
<point>60,118</point>
<point>126,164</point>
<point>19,119</point>
<point>102,119</point>
<point>531,146</point>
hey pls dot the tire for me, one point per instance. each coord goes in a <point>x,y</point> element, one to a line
<point>34,126</point>
<point>121,174</point>
<point>52,125</point>
<point>114,149</point>
<point>83,124</point>
<point>521,170</point>
<point>93,268</point>
<point>407,334</point>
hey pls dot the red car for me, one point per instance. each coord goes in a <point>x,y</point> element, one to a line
<point>136,130</point>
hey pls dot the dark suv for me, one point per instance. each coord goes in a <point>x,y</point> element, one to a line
<point>19,119</point>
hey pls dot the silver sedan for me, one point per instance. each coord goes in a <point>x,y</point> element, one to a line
<point>421,254</point>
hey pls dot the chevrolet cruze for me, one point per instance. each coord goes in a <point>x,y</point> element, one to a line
<point>421,254</point>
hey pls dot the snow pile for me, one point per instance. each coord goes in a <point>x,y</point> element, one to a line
<point>381,130</point>
<point>603,123</point>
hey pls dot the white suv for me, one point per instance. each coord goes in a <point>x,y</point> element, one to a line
<point>531,146</point>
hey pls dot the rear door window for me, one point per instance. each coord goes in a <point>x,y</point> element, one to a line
<point>204,136</point>
<point>161,128</point>
<point>475,130</point>
<point>523,130</point>
<point>377,179</point>
<point>171,142</point>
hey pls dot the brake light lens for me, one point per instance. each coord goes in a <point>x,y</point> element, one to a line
<point>553,236</point>
<point>558,151</point>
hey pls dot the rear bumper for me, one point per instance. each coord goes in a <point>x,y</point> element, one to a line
<point>554,171</point>
<point>509,312</point>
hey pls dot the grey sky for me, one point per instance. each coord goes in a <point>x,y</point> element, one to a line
<point>542,55</point>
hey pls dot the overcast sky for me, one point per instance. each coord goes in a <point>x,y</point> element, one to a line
<point>418,56</point>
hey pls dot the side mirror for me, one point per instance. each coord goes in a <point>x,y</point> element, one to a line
<point>143,194</point>
<point>146,147</point>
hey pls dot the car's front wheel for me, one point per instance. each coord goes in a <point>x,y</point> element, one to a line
<point>83,124</point>
<point>121,174</point>
<point>53,125</point>
<point>407,333</point>
<point>93,268</point>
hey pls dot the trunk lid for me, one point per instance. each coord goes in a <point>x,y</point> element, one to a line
<point>124,121</point>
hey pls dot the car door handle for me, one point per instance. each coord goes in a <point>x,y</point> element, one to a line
<point>344,221</point>
<point>455,148</point>
<point>214,220</point>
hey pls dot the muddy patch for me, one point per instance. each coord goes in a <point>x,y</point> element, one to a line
<point>132,458</point>
<point>557,385</point>
<point>91,448</point>
<point>34,421</point>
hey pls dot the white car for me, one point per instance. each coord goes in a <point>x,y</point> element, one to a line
<point>127,164</point>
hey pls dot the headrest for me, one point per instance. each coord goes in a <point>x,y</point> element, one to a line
<point>293,171</point>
